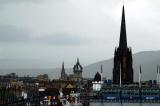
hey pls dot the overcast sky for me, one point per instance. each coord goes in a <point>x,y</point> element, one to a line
<point>52,31</point>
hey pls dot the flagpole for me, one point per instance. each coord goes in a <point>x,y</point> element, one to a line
<point>101,72</point>
<point>140,76</point>
<point>120,81</point>
<point>140,92</point>
<point>157,74</point>
<point>101,82</point>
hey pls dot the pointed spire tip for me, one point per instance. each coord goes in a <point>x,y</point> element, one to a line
<point>77,59</point>
<point>123,36</point>
<point>123,2</point>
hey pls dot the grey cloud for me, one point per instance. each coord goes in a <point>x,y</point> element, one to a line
<point>19,1</point>
<point>61,39</point>
<point>71,21</point>
<point>13,34</point>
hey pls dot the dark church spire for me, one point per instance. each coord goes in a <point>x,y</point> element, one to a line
<point>63,73</point>
<point>123,57</point>
<point>63,69</point>
<point>123,37</point>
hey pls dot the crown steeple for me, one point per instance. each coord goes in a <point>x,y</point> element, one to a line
<point>77,59</point>
<point>123,36</point>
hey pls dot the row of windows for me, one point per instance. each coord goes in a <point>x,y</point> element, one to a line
<point>133,93</point>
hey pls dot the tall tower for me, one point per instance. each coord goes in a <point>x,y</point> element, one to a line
<point>123,57</point>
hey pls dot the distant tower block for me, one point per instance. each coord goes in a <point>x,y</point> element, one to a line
<point>123,57</point>
<point>77,70</point>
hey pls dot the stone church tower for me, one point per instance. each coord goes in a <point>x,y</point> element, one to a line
<point>123,58</point>
<point>77,70</point>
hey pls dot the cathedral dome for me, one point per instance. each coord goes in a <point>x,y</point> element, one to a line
<point>97,77</point>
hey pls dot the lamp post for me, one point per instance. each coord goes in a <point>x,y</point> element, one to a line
<point>140,91</point>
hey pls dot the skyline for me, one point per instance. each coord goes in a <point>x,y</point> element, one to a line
<point>51,32</point>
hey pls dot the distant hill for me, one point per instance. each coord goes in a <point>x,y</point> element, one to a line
<point>147,59</point>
